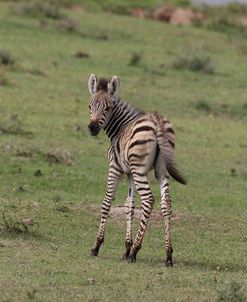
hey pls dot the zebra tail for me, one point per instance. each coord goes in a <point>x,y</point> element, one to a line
<point>167,151</point>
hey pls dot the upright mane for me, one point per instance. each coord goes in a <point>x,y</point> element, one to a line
<point>102,84</point>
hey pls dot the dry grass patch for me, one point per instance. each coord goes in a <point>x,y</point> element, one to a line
<point>58,155</point>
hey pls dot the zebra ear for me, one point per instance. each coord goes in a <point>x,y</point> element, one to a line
<point>113,86</point>
<point>92,82</point>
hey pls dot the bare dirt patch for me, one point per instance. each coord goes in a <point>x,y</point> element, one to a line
<point>243,21</point>
<point>117,213</point>
<point>170,14</point>
<point>77,8</point>
<point>177,16</point>
<point>139,13</point>
<point>156,214</point>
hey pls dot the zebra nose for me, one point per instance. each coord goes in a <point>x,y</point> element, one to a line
<point>94,128</point>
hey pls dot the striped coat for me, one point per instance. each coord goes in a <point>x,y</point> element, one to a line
<point>139,142</point>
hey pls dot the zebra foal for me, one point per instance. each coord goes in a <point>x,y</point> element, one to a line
<point>139,142</point>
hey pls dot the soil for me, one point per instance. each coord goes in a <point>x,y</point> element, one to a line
<point>156,215</point>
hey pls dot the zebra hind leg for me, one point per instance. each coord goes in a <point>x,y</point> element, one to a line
<point>147,199</point>
<point>162,177</point>
<point>167,211</point>
<point>129,208</point>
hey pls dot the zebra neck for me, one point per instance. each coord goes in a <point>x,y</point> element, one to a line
<point>122,114</point>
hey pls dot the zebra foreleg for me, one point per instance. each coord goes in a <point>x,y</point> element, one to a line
<point>147,199</point>
<point>113,179</point>
<point>129,208</point>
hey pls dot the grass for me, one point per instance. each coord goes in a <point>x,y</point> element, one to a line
<point>52,172</point>
<point>232,292</point>
<point>124,7</point>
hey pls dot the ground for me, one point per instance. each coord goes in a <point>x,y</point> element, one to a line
<point>53,173</point>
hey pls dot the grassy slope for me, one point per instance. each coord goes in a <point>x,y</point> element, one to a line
<point>209,239</point>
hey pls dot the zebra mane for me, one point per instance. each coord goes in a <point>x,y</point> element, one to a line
<point>122,113</point>
<point>102,84</point>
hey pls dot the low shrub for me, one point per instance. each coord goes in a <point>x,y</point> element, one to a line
<point>195,63</point>
<point>6,58</point>
<point>228,26</point>
<point>38,9</point>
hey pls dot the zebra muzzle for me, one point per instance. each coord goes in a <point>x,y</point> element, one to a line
<point>94,128</point>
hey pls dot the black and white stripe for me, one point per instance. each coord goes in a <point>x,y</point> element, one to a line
<point>139,142</point>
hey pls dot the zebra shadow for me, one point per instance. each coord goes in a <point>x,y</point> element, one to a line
<point>210,266</point>
<point>187,264</point>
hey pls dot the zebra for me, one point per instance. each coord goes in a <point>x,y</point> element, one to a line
<point>138,142</point>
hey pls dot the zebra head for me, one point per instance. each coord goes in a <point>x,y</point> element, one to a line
<point>103,92</point>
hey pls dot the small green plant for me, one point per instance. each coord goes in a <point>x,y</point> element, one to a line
<point>6,58</point>
<point>62,209</point>
<point>233,172</point>
<point>194,63</point>
<point>57,198</point>
<point>203,106</point>
<point>31,294</point>
<point>135,58</point>
<point>81,55</point>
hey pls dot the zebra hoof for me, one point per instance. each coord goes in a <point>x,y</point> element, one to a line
<point>94,252</point>
<point>168,263</point>
<point>125,256</point>
<point>128,245</point>
<point>131,258</point>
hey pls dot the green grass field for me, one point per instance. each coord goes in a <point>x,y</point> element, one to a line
<point>53,172</point>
